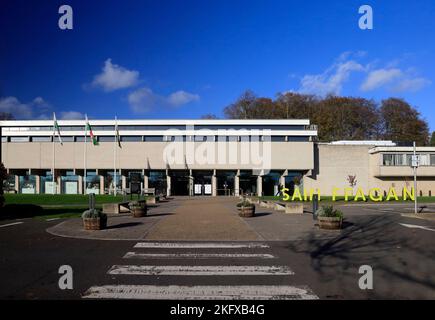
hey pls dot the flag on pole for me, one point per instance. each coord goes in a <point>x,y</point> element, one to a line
<point>118,138</point>
<point>56,129</point>
<point>91,133</point>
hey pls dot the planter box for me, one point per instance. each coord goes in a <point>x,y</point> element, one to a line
<point>331,223</point>
<point>294,208</point>
<point>139,212</point>
<point>94,223</point>
<point>152,200</point>
<point>246,212</point>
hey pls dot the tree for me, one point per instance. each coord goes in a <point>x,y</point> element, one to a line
<point>241,108</point>
<point>291,105</point>
<point>347,118</point>
<point>338,118</point>
<point>209,116</point>
<point>403,123</point>
<point>432,139</point>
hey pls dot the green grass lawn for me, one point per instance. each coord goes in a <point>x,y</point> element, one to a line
<point>47,206</point>
<point>58,199</point>
<point>340,199</point>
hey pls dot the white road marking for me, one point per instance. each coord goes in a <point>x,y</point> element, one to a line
<point>200,270</point>
<point>130,255</point>
<point>414,226</point>
<point>259,292</point>
<point>198,245</point>
<point>52,219</point>
<point>10,224</point>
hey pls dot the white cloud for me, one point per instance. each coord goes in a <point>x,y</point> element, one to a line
<point>114,77</point>
<point>394,80</point>
<point>380,77</point>
<point>71,115</point>
<point>411,85</point>
<point>390,76</point>
<point>181,97</point>
<point>144,99</point>
<point>332,79</point>
<point>35,109</point>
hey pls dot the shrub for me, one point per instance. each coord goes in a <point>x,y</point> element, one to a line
<point>329,211</point>
<point>245,203</point>
<point>136,204</point>
<point>93,213</point>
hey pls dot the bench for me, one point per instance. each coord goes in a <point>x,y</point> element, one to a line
<point>149,191</point>
<point>116,208</point>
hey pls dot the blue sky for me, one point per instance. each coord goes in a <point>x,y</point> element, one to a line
<point>183,59</point>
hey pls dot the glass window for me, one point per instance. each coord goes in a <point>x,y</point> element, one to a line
<point>424,160</point>
<point>42,139</point>
<point>68,139</point>
<point>277,138</point>
<point>20,139</point>
<point>106,138</point>
<point>131,138</point>
<point>298,138</point>
<point>153,138</point>
<point>432,159</point>
<point>387,159</point>
<point>4,139</point>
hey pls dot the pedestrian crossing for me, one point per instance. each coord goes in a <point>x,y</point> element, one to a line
<point>212,270</point>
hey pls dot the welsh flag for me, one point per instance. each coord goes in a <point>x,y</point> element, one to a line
<point>91,133</point>
<point>56,129</point>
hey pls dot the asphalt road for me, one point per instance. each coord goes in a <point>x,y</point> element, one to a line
<point>402,258</point>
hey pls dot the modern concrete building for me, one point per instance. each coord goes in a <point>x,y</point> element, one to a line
<point>176,157</point>
<point>199,157</point>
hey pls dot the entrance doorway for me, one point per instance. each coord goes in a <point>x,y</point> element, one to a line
<point>202,183</point>
<point>180,183</point>
<point>247,183</point>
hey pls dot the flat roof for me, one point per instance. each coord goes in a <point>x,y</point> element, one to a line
<point>401,149</point>
<point>30,123</point>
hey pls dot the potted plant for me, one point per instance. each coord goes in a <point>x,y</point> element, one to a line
<point>138,209</point>
<point>329,218</point>
<point>94,219</point>
<point>246,209</point>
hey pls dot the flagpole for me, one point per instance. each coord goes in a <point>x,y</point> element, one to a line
<point>84,157</point>
<point>54,156</point>
<point>114,155</point>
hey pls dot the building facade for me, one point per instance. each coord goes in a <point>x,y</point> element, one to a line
<point>176,157</point>
<point>199,157</point>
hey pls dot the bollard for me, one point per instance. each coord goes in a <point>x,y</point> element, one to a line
<point>92,201</point>
<point>315,205</point>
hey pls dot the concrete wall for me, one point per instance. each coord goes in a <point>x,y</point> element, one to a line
<point>151,155</point>
<point>335,162</point>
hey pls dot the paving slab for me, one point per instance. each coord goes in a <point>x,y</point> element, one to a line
<point>204,218</point>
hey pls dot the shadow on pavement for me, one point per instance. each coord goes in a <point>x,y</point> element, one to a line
<point>402,267</point>
<point>123,225</point>
<point>18,211</point>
